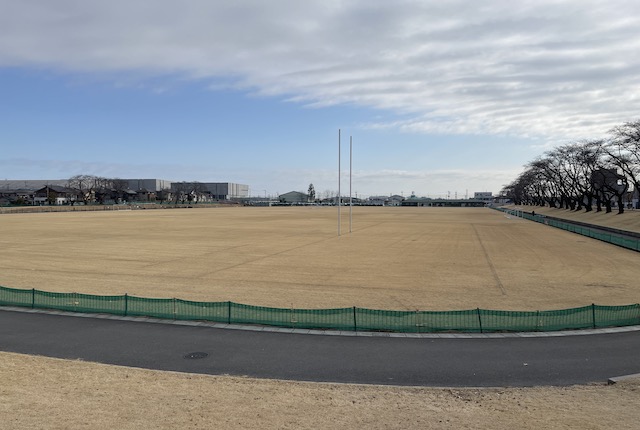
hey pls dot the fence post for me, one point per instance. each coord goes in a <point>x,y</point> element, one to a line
<point>479,320</point>
<point>126,304</point>
<point>355,322</point>
<point>174,308</point>
<point>33,298</point>
<point>593,314</point>
<point>229,312</point>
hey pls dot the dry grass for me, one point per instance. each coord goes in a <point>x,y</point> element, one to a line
<point>396,258</point>
<point>45,393</point>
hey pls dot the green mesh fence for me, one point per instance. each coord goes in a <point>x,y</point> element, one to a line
<point>616,239</point>
<point>15,297</point>
<point>351,319</point>
<point>339,319</point>
<point>203,311</point>
<point>156,308</point>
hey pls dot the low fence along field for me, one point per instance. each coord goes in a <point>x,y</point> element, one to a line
<point>350,319</point>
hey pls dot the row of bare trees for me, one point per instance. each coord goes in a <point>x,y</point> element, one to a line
<point>188,192</point>
<point>90,188</point>
<point>583,174</point>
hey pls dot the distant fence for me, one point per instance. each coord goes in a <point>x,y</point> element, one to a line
<point>351,319</point>
<point>615,238</point>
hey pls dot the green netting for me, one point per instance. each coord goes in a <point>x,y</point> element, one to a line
<point>417,321</point>
<point>60,301</point>
<point>476,320</point>
<point>16,297</point>
<point>204,311</point>
<point>611,316</point>
<point>509,320</point>
<point>566,319</point>
<point>103,304</point>
<point>616,239</point>
<point>157,308</point>
<point>341,318</point>
<point>338,319</point>
<point>77,302</point>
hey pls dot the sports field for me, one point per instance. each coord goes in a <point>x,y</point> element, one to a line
<point>395,258</point>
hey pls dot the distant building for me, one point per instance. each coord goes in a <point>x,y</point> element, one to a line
<point>54,195</point>
<point>212,190</point>
<point>293,197</point>
<point>149,185</point>
<point>485,196</point>
<point>30,184</point>
<point>394,200</point>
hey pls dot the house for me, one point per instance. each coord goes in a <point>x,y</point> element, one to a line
<point>16,197</point>
<point>54,195</point>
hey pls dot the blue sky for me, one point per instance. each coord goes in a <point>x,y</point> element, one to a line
<point>440,97</point>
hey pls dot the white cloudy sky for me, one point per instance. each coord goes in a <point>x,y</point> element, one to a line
<point>439,96</point>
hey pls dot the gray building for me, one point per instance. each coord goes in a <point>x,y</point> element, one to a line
<point>152,185</point>
<point>485,196</point>
<point>31,184</point>
<point>293,197</point>
<point>213,190</point>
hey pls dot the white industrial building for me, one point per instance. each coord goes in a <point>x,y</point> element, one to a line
<point>485,196</point>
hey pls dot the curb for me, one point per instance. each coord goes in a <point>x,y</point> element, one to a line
<point>617,379</point>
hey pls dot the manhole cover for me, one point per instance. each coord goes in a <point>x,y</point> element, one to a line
<point>195,355</point>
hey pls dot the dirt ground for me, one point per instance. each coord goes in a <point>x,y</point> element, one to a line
<point>46,393</point>
<point>402,258</point>
<point>395,258</point>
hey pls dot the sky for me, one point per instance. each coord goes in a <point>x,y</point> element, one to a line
<point>439,98</point>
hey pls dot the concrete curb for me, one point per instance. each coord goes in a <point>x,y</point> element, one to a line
<point>617,379</point>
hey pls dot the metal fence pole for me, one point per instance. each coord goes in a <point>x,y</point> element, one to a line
<point>355,321</point>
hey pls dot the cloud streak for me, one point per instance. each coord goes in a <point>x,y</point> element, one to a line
<point>532,68</point>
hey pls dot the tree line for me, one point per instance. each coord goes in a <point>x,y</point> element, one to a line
<point>583,175</point>
<point>97,189</point>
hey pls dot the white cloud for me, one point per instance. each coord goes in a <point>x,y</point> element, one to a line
<point>529,68</point>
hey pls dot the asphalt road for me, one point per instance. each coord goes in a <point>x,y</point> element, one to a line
<point>470,362</point>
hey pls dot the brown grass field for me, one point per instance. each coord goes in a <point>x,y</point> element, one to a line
<point>397,258</point>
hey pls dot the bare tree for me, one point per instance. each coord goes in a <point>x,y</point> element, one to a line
<point>311,193</point>
<point>85,187</point>
<point>163,195</point>
<point>180,192</point>
<point>119,188</point>
<point>611,185</point>
<point>624,151</point>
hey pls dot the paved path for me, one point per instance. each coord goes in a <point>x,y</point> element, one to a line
<point>472,361</point>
